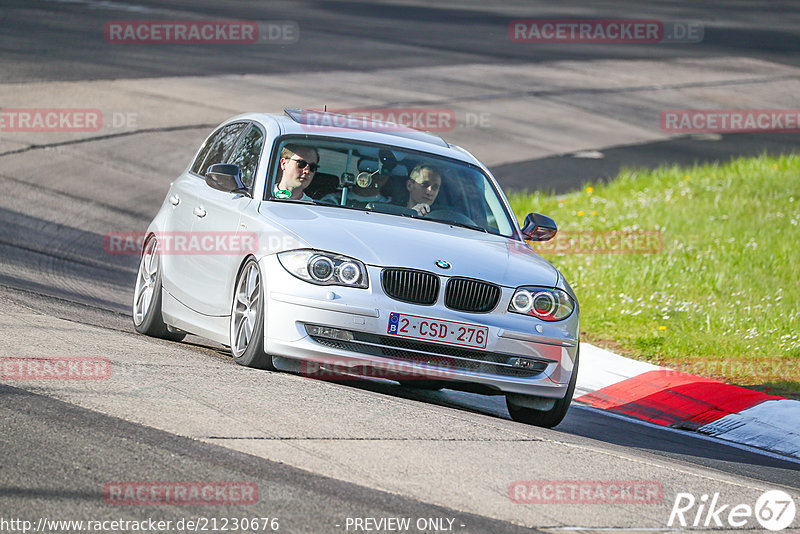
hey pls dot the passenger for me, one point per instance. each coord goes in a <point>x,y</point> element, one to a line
<point>298,165</point>
<point>424,182</point>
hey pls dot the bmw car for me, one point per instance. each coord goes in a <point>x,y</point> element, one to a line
<point>316,243</point>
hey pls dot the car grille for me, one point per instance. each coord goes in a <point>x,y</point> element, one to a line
<point>416,287</point>
<point>440,356</point>
<point>421,287</point>
<point>469,295</point>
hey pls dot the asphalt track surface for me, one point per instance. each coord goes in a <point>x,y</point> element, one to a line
<point>61,294</point>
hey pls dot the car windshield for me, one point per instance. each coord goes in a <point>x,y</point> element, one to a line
<point>389,180</point>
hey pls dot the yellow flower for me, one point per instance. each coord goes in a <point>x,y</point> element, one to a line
<point>589,189</point>
<point>580,214</point>
<point>594,214</point>
<point>775,166</point>
<point>687,177</point>
<point>662,327</point>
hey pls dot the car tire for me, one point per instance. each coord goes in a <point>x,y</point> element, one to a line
<point>147,317</point>
<point>546,418</point>
<point>247,319</point>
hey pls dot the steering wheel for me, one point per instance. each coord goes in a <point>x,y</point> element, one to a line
<point>450,215</point>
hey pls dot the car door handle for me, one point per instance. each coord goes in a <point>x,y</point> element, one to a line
<point>174,200</point>
<point>199,211</point>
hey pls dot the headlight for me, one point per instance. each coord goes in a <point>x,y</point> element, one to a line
<point>321,268</point>
<point>324,268</point>
<point>545,303</point>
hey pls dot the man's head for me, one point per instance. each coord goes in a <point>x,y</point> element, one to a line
<point>423,185</point>
<point>298,165</point>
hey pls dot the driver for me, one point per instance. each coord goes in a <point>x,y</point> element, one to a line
<point>298,165</point>
<point>424,182</point>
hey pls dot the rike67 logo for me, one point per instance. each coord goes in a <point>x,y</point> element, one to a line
<point>774,510</point>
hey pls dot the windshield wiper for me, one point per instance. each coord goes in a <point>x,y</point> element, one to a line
<point>301,201</point>
<point>461,224</point>
<point>471,226</point>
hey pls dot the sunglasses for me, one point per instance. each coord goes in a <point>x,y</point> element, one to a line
<point>302,164</point>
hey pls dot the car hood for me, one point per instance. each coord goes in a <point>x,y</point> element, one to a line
<point>394,241</point>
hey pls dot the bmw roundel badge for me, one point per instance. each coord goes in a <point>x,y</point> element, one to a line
<point>442,264</point>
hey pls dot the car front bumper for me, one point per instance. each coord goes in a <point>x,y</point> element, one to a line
<point>292,304</point>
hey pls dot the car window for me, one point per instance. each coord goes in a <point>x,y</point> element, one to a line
<point>218,147</point>
<point>201,156</point>
<point>401,182</point>
<point>247,153</point>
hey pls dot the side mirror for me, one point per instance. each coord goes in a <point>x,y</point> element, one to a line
<point>226,177</point>
<point>539,227</point>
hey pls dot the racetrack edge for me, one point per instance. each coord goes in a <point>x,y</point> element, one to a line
<point>681,400</point>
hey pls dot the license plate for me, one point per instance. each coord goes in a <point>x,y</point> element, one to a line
<point>450,332</point>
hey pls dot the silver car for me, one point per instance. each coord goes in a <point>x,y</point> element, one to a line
<point>360,267</point>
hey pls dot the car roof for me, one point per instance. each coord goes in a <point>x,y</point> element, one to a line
<point>336,126</point>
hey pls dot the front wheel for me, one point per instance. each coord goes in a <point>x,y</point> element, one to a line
<point>147,318</point>
<point>546,418</point>
<point>247,319</point>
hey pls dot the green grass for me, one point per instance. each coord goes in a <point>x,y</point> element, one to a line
<point>722,297</point>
